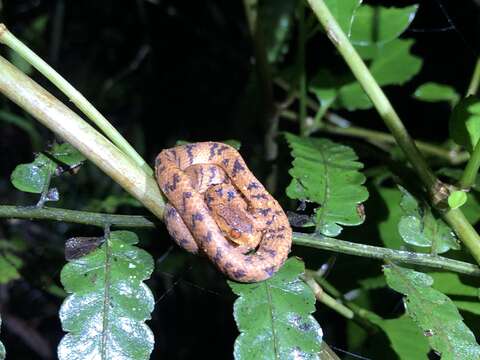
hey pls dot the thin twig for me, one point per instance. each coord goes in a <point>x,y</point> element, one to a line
<point>319,242</point>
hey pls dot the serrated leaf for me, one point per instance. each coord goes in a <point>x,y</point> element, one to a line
<point>277,23</point>
<point>274,317</point>
<point>457,199</point>
<point>434,313</point>
<point>394,65</point>
<point>328,174</point>
<point>418,226</point>
<point>378,24</point>
<point>344,11</point>
<point>34,176</point>
<point>465,297</point>
<point>464,124</point>
<point>406,339</point>
<point>108,304</point>
<point>433,92</point>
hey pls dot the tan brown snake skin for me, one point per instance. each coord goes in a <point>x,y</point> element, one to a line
<point>196,205</point>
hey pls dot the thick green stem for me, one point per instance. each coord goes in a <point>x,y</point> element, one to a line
<point>456,219</point>
<point>373,90</point>
<point>374,252</point>
<point>7,38</point>
<point>470,173</point>
<point>474,82</point>
<point>69,126</point>
<point>464,230</point>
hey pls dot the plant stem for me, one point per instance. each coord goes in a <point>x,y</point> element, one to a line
<point>362,316</point>
<point>377,136</point>
<point>467,234</point>
<point>464,230</point>
<point>69,126</point>
<point>373,90</point>
<point>7,38</point>
<point>470,172</point>
<point>374,252</point>
<point>302,80</point>
<point>326,299</point>
<point>454,157</point>
<point>324,243</point>
<point>474,82</point>
<point>75,216</point>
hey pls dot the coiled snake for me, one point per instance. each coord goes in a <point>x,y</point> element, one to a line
<point>217,207</point>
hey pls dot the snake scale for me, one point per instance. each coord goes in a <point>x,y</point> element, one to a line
<point>217,207</point>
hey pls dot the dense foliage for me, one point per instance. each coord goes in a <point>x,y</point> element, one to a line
<point>323,98</point>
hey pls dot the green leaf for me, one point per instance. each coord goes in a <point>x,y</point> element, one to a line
<point>277,23</point>
<point>327,173</point>
<point>433,92</point>
<point>434,313</point>
<point>418,226</point>
<point>464,123</point>
<point>405,337</point>
<point>394,65</point>
<point>67,154</point>
<point>471,209</point>
<point>34,176</point>
<point>274,319</point>
<point>375,26</point>
<point>344,11</point>
<point>465,297</point>
<point>457,199</point>
<point>10,263</point>
<point>109,303</point>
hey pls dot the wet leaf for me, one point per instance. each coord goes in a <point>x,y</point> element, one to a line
<point>434,313</point>
<point>418,226</point>
<point>274,317</point>
<point>34,176</point>
<point>108,304</point>
<point>328,174</point>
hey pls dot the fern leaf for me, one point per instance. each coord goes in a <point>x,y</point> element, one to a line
<point>327,173</point>
<point>434,313</point>
<point>105,313</point>
<point>274,318</point>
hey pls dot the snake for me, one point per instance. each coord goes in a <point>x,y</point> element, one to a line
<point>218,208</point>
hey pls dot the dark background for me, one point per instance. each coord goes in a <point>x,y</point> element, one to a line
<point>161,71</point>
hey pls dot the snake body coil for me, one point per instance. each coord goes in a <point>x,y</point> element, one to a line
<point>191,221</point>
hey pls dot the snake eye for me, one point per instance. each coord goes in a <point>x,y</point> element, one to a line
<point>235,234</point>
